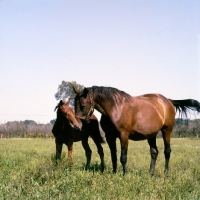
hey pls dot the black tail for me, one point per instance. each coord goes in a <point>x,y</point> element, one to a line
<point>183,106</point>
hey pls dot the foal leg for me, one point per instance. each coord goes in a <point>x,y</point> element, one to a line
<point>88,152</point>
<point>70,148</point>
<point>58,149</point>
<point>101,154</point>
<point>113,150</point>
<point>166,138</point>
<point>154,154</point>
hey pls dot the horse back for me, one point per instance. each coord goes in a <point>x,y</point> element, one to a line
<point>143,116</point>
<point>156,107</point>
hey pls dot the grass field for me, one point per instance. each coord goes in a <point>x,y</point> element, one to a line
<point>28,171</point>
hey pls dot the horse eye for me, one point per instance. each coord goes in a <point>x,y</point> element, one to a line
<point>65,114</point>
<point>82,107</point>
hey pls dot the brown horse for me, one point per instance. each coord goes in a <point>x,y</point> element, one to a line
<point>68,130</point>
<point>136,118</point>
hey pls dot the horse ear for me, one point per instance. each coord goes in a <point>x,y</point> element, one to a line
<point>77,91</point>
<point>85,92</point>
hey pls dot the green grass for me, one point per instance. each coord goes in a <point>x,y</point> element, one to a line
<point>28,171</point>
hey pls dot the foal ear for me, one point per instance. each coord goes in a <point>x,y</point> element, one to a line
<point>67,103</point>
<point>77,91</point>
<point>60,103</point>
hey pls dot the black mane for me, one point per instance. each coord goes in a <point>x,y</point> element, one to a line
<point>113,94</point>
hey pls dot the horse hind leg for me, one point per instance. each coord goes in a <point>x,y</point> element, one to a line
<point>166,138</point>
<point>154,154</point>
<point>88,153</point>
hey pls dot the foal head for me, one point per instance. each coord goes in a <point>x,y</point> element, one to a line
<point>66,114</point>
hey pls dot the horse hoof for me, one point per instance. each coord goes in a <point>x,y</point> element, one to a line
<point>151,172</point>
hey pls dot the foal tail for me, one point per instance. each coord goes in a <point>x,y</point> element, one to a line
<point>183,106</point>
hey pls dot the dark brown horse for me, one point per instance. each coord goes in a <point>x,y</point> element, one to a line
<point>68,130</point>
<point>136,118</point>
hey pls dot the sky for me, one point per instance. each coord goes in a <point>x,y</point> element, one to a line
<point>138,46</point>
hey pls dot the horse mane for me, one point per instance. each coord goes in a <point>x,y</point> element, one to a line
<point>113,94</point>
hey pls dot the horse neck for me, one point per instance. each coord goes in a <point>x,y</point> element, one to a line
<point>104,105</point>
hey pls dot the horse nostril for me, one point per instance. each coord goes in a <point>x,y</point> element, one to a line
<point>77,128</point>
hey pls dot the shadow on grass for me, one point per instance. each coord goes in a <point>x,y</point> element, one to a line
<point>96,167</point>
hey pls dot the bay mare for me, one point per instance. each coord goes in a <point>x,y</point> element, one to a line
<point>136,118</point>
<point>68,130</point>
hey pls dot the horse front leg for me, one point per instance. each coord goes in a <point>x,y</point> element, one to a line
<point>154,154</point>
<point>70,149</point>
<point>124,150</point>
<point>88,153</point>
<point>58,149</point>
<point>113,150</point>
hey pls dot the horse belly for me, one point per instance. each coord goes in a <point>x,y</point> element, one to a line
<point>78,136</point>
<point>136,136</point>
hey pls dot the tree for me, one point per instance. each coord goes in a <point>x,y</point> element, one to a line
<point>52,121</point>
<point>65,91</point>
<point>30,122</point>
<point>25,129</point>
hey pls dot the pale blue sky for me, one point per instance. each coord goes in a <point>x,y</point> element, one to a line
<point>139,46</point>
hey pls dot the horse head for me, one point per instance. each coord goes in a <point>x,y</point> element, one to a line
<point>84,104</point>
<point>66,114</point>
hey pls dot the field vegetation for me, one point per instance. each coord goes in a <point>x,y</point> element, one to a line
<point>28,171</point>
<point>32,129</point>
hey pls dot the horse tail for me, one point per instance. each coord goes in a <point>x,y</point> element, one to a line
<point>184,106</point>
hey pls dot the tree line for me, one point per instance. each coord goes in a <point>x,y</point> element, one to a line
<point>27,128</point>
<point>30,129</point>
<point>186,128</point>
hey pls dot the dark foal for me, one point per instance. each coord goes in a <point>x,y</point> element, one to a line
<point>68,130</point>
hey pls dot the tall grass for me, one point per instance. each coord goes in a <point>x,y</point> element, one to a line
<point>28,171</point>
